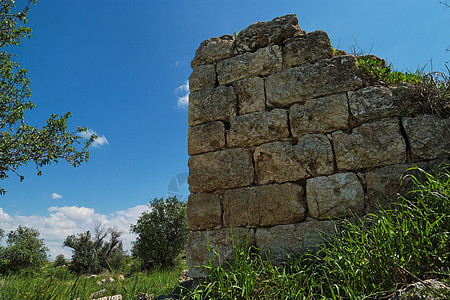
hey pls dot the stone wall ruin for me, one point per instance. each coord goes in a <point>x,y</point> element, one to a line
<point>285,134</point>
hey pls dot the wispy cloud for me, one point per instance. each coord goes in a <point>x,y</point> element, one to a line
<point>67,220</point>
<point>98,142</point>
<point>183,100</point>
<point>56,196</point>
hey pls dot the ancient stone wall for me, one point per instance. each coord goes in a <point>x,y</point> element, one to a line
<point>285,134</point>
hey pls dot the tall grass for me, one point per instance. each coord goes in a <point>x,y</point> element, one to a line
<point>369,258</point>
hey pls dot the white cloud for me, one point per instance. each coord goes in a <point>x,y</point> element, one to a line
<point>56,196</point>
<point>67,220</point>
<point>183,100</point>
<point>98,142</point>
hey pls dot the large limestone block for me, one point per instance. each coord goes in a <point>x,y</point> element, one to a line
<point>206,137</point>
<point>250,95</point>
<point>319,115</point>
<point>378,102</point>
<point>212,104</point>
<point>276,162</point>
<point>280,242</point>
<point>264,205</point>
<point>199,251</point>
<point>307,48</point>
<point>204,211</point>
<point>428,136</point>
<point>224,169</point>
<point>201,77</point>
<point>257,128</point>
<point>213,50</point>
<point>281,162</point>
<point>334,196</point>
<point>379,143</point>
<point>263,62</point>
<point>261,34</point>
<point>326,77</point>
<point>315,154</point>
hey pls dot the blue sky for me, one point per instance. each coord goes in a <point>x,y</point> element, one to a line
<point>121,67</point>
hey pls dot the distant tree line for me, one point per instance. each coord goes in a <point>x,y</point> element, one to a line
<point>161,238</point>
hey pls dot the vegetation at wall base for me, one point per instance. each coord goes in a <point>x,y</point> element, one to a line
<point>369,259</point>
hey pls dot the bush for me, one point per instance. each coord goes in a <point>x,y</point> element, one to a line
<point>161,233</point>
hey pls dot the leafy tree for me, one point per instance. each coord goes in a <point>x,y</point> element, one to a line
<point>92,254</point>
<point>59,260</point>
<point>161,233</point>
<point>24,250</point>
<point>21,143</point>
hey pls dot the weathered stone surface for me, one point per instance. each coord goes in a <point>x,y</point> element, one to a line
<point>307,48</point>
<point>425,289</point>
<point>334,196</point>
<point>276,162</point>
<point>378,102</point>
<point>328,76</point>
<point>257,128</point>
<point>320,115</point>
<point>281,162</point>
<point>204,211</point>
<point>267,205</point>
<point>212,104</point>
<point>220,170</point>
<point>315,154</point>
<point>198,254</point>
<point>250,95</point>
<point>201,77</point>
<point>428,136</point>
<point>280,241</point>
<point>261,34</point>
<point>213,50</point>
<point>379,143</point>
<point>206,137</point>
<point>263,62</point>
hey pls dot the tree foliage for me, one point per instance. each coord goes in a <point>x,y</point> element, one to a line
<point>21,143</point>
<point>93,253</point>
<point>161,233</point>
<point>24,250</point>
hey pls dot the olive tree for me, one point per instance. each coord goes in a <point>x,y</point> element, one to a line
<point>21,143</point>
<point>161,233</point>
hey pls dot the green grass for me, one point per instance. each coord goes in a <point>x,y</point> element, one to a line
<point>61,284</point>
<point>370,257</point>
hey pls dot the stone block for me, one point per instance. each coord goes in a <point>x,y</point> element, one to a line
<point>224,169</point>
<point>334,196</point>
<point>261,34</point>
<point>250,95</point>
<point>263,62</point>
<point>212,104</point>
<point>276,162</point>
<point>281,162</point>
<point>213,50</point>
<point>280,242</point>
<point>257,128</point>
<point>325,77</point>
<point>201,244</point>
<point>315,154</point>
<point>319,115</point>
<point>375,144</point>
<point>206,137</point>
<point>308,48</point>
<point>428,136</point>
<point>201,77</point>
<point>378,102</point>
<point>204,211</point>
<point>267,205</point>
